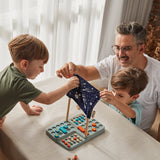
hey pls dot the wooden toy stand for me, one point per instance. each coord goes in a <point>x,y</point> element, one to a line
<point>87,121</point>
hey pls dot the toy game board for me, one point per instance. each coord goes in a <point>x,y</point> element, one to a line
<point>70,134</point>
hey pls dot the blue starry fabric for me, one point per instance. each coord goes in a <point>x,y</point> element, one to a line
<point>86,96</point>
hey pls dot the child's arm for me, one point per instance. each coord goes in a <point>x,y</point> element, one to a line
<point>108,96</point>
<point>2,121</point>
<point>34,110</point>
<point>51,97</point>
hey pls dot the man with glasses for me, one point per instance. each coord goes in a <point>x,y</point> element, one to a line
<point>129,51</point>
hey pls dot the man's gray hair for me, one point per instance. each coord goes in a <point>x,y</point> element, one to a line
<point>135,29</point>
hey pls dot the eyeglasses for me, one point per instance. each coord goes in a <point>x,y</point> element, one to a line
<point>116,48</point>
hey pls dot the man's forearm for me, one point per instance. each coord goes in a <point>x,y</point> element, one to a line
<point>88,72</point>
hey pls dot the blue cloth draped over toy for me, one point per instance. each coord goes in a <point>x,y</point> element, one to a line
<point>86,96</point>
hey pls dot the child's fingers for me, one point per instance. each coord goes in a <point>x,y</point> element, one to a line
<point>103,93</point>
<point>106,99</point>
<point>106,96</point>
<point>75,81</point>
<point>106,92</point>
<point>37,107</point>
<point>36,113</point>
<point>36,110</point>
<point>75,78</point>
<point>2,121</point>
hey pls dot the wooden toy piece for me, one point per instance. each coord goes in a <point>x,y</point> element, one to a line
<point>78,107</point>
<point>86,131</point>
<point>75,157</point>
<point>93,113</point>
<point>69,102</point>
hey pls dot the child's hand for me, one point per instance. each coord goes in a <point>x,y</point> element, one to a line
<point>35,110</point>
<point>108,96</point>
<point>73,82</point>
<point>2,121</point>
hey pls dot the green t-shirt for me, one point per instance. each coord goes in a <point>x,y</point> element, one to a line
<point>14,87</point>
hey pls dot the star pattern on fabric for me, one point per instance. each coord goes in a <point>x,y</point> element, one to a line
<point>86,96</point>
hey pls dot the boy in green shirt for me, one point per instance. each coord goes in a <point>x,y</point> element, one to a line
<point>29,54</point>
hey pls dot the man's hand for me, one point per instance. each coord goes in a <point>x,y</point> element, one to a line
<point>67,70</point>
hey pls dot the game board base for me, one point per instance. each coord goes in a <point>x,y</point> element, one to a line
<point>70,134</point>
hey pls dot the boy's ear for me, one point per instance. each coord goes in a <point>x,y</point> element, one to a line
<point>24,64</point>
<point>135,97</point>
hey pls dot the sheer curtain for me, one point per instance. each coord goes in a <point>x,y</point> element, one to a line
<point>117,12</point>
<point>70,29</point>
<point>81,31</point>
